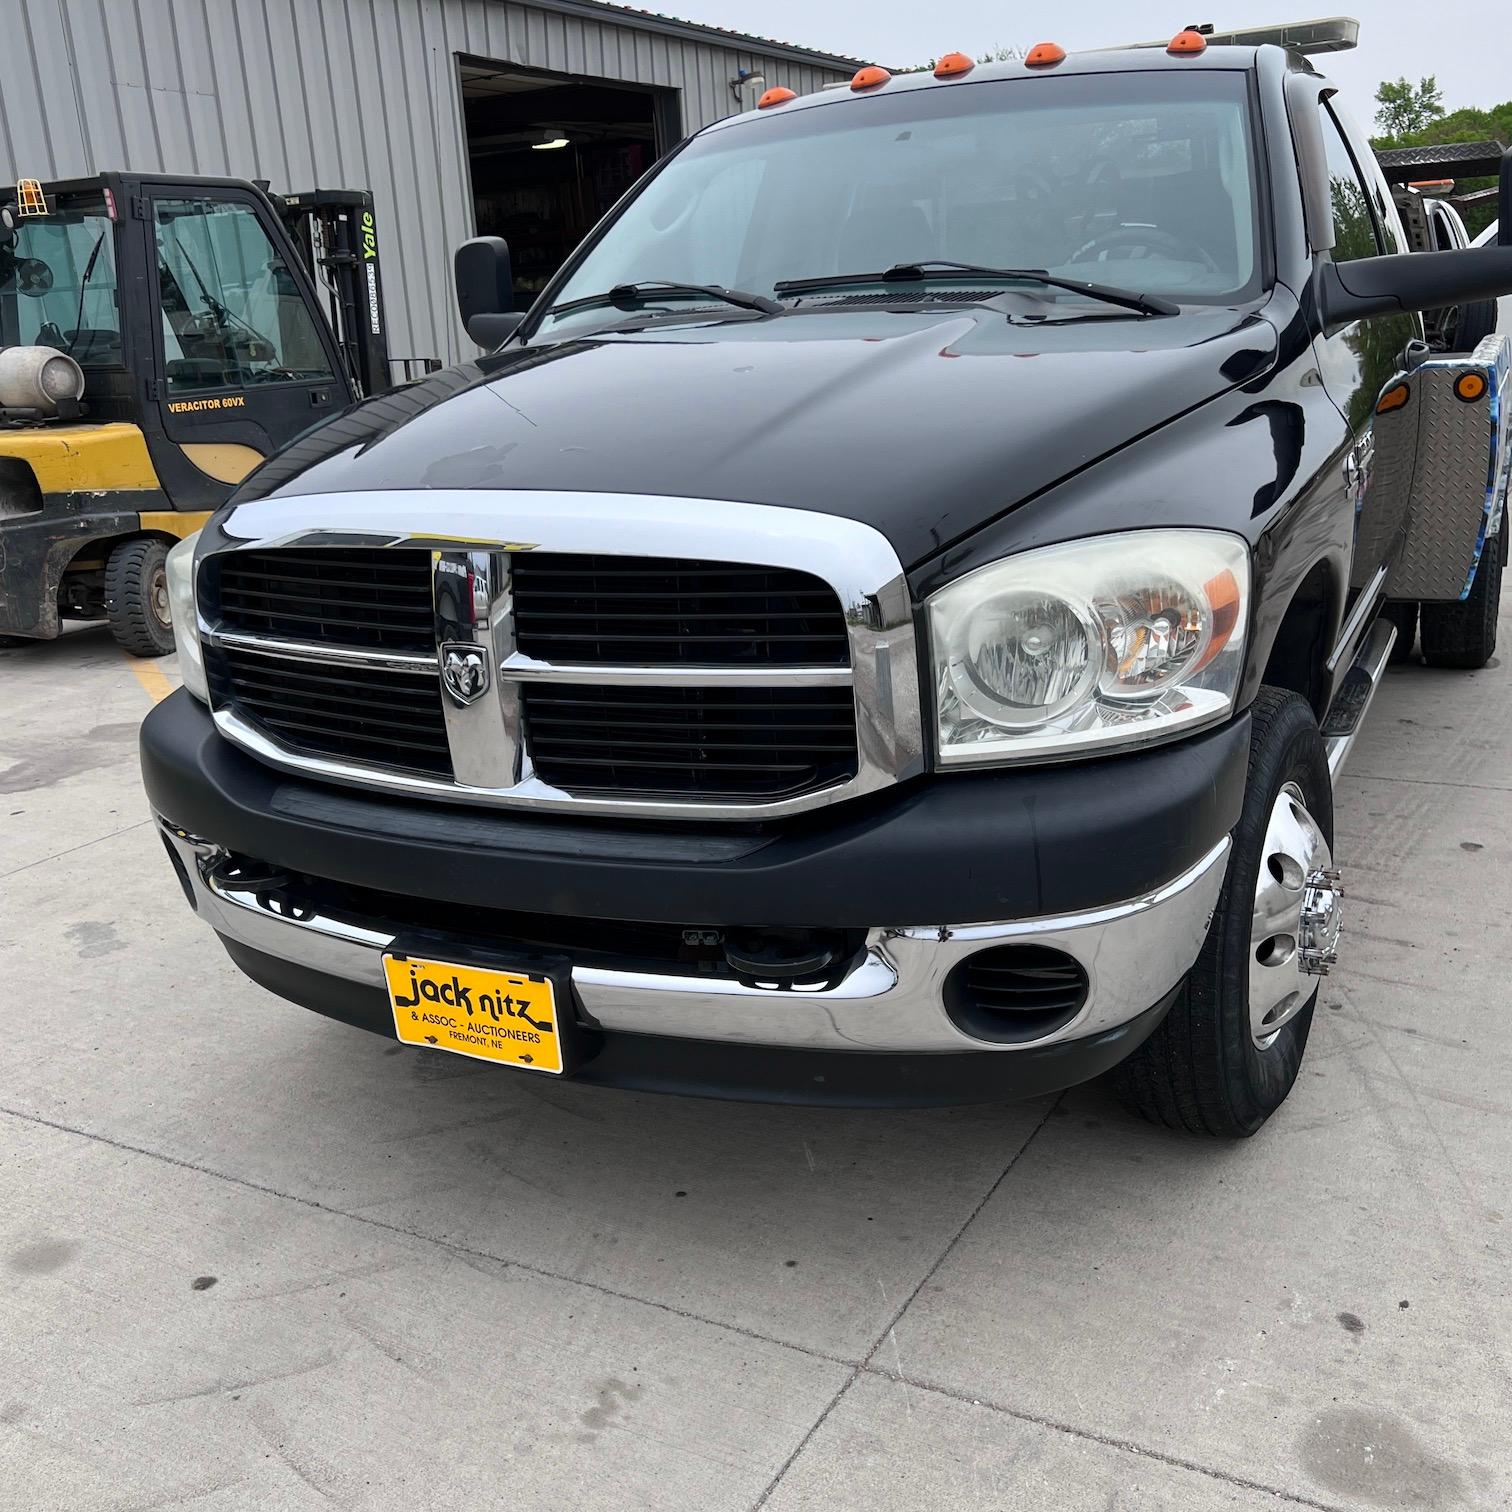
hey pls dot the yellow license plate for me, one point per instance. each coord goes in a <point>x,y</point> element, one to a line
<point>500,1016</point>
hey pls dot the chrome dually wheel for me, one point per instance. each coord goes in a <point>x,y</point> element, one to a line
<point>1294,930</point>
<point>1229,1050</point>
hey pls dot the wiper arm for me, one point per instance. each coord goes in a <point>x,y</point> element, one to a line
<point>1129,299</point>
<point>643,291</point>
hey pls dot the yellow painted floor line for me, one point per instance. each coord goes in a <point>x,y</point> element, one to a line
<point>152,678</point>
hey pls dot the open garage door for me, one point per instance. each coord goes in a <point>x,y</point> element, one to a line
<point>549,154</point>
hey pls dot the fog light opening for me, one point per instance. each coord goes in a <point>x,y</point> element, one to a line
<point>1015,994</point>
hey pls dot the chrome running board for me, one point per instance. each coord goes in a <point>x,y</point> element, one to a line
<point>1352,700</point>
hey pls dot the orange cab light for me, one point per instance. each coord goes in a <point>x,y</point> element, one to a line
<point>1469,387</point>
<point>1187,42</point>
<point>776,96</point>
<point>953,65</point>
<point>870,77</point>
<point>1045,55</point>
<point>1393,399</point>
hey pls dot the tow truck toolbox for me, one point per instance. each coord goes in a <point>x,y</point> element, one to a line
<point>883,626</point>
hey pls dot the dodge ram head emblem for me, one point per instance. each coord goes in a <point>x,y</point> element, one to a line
<point>464,670</point>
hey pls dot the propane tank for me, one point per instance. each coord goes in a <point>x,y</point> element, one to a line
<point>38,377</point>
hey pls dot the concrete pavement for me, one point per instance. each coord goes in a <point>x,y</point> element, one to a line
<point>251,1258</point>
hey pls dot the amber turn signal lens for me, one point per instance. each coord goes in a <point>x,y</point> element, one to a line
<point>1393,399</point>
<point>870,77</point>
<point>1187,42</point>
<point>1469,387</point>
<point>1045,55</point>
<point>777,96</point>
<point>953,65</point>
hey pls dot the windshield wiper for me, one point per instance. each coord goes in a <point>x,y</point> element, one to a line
<point>644,291</point>
<point>1146,304</point>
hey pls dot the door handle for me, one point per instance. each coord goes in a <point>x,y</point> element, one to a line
<point>1358,461</point>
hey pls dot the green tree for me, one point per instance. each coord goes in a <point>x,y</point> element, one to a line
<point>1467,125</point>
<point>1403,108</point>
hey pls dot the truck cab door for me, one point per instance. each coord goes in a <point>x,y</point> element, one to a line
<point>1364,364</point>
<point>243,359</point>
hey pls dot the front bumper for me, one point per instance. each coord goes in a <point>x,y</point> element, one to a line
<point>892,997</point>
<point>906,871</point>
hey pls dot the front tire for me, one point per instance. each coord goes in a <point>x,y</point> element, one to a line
<point>1463,635</point>
<point>1228,1052</point>
<point>136,596</point>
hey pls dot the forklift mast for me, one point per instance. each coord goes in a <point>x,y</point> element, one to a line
<point>337,236</point>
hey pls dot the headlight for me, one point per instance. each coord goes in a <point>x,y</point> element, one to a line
<point>1114,641</point>
<point>186,636</point>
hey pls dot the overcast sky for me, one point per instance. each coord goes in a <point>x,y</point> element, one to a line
<point>1466,43</point>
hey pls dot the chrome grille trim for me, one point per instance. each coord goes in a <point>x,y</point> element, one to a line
<point>481,529</point>
<point>312,651</point>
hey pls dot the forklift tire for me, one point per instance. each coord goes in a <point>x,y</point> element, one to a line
<point>1463,635</point>
<point>1405,617</point>
<point>1228,1052</point>
<point>136,596</point>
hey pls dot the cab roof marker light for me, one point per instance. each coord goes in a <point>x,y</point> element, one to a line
<point>776,96</point>
<point>953,65</point>
<point>870,77</point>
<point>1045,55</point>
<point>1187,44</point>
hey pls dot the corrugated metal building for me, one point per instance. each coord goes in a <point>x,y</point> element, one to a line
<point>428,103</point>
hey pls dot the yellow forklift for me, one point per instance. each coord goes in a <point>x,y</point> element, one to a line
<point>159,337</point>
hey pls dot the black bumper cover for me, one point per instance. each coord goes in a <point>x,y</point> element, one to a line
<point>959,849</point>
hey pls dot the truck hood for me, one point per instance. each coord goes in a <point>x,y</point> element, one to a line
<point>924,424</point>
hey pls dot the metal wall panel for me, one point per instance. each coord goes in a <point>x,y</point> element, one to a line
<point>339,93</point>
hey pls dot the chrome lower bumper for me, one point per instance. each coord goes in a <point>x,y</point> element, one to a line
<point>1134,954</point>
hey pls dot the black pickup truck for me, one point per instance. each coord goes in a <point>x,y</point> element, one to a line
<point>881,628</point>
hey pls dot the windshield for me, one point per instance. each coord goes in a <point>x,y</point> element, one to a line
<point>1143,180</point>
<point>58,286</point>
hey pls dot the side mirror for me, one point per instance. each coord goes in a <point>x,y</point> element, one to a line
<point>1414,281</point>
<point>485,289</point>
<point>1423,280</point>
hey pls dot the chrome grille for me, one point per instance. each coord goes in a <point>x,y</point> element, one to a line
<point>674,612</point>
<point>703,742</point>
<point>345,596</point>
<point>765,666</point>
<point>357,713</point>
